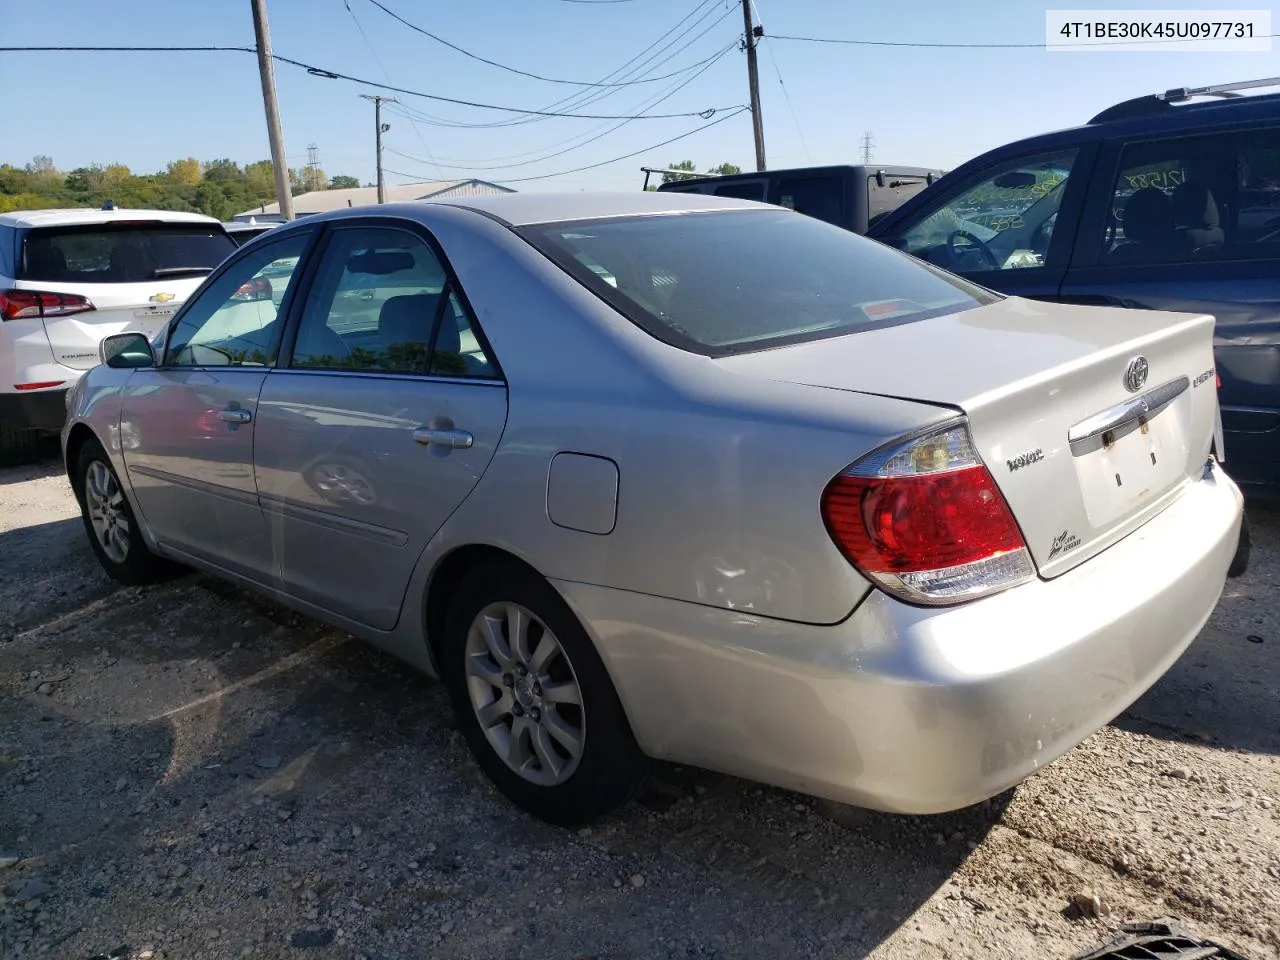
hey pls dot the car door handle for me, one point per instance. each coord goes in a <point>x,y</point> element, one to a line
<point>235,415</point>
<point>453,439</point>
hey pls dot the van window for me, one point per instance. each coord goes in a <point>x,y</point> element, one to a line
<point>1188,199</point>
<point>742,191</point>
<point>1003,219</point>
<point>819,197</point>
<point>895,192</point>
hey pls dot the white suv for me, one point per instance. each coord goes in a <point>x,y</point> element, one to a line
<point>68,278</point>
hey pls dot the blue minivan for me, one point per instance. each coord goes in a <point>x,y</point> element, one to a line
<point>1164,202</point>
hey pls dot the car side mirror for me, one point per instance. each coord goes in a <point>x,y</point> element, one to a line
<point>124,351</point>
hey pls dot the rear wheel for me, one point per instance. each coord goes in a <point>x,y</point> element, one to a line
<point>109,521</point>
<point>534,700</point>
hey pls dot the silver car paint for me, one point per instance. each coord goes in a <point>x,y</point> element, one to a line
<point>729,551</point>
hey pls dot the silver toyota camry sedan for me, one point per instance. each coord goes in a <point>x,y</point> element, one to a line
<point>674,476</point>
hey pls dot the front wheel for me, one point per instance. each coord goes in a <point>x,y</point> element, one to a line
<point>534,700</point>
<point>109,521</point>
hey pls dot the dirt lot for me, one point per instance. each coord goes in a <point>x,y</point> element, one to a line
<point>187,771</point>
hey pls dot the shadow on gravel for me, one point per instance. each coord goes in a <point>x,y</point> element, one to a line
<point>48,464</point>
<point>46,571</point>
<point>1223,690</point>
<point>195,724</point>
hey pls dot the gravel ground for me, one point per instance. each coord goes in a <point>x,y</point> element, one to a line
<point>187,771</point>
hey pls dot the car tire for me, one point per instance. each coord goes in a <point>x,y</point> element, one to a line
<point>525,691</point>
<point>19,446</point>
<point>109,521</point>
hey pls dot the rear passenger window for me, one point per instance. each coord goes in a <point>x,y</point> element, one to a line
<point>1192,199</point>
<point>382,303</point>
<point>742,191</point>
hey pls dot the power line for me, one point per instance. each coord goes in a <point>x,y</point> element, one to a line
<point>383,67</point>
<point>335,75</point>
<point>567,149</point>
<point>502,66</point>
<point>582,98</point>
<point>626,156</point>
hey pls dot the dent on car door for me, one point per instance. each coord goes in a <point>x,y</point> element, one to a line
<point>1008,226</point>
<point>379,424</point>
<point>1192,224</point>
<point>187,425</point>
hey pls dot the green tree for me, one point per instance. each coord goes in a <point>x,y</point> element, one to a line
<point>725,169</point>
<point>343,183</point>
<point>688,165</point>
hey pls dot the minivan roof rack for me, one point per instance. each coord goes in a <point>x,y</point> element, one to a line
<point>1158,102</point>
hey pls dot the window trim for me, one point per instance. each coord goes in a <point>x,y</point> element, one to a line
<point>664,333</point>
<point>284,356</point>
<point>1070,211</point>
<point>286,303</point>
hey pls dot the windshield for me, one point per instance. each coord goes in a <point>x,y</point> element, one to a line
<point>123,253</point>
<point>721,283</point>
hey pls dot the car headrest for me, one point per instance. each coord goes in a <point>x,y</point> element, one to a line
<point>407,318</point>
<point>1148,216</point>
<point>1194,207</point>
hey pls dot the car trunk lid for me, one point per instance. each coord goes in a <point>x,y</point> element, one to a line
<point>1082,451</point>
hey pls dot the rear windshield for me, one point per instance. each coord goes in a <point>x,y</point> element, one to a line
<point>123,253</point>
<point>732,282</point>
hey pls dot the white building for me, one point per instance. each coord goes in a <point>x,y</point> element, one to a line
<point>319,201</point>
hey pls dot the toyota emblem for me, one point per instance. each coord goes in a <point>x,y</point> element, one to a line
<point>1135,375</point>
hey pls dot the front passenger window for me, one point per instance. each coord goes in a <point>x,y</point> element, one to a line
<point>235,320</point>
<point>1004,221</point>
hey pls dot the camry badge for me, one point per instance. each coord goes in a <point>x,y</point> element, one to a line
<point>1135,376</point>
<point>163,297</point>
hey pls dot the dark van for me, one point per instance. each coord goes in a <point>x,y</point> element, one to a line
<point>853,197</point>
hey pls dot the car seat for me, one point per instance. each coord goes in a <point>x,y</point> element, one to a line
<point>1196,221</point>
<point>1148,229</point>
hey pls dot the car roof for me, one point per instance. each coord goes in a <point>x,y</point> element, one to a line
<point>523,209</point>
<point>1146,116</point>
<point>89,216</point>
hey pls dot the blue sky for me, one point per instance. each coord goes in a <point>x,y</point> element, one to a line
<point>924,106</point>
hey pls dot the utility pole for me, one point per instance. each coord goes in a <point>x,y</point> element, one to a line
<point>379,129</point>
<point>868,146</point>
<point>266,67</point>
<point>757,121</point>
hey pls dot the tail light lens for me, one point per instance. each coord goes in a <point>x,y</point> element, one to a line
<point>23,304</point>
<point>259,288</point>
<point>925,521</point>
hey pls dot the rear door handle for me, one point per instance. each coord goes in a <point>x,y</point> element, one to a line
<point>235,415</point>
<point>452,439</point>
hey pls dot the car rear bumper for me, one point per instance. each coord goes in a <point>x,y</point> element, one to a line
<point>34,409</point>
<point>919,710</point>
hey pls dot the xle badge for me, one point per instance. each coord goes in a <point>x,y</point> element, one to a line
<point>1063,542</point>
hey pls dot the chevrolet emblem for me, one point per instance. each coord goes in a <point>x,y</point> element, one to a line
<point>162,297</point>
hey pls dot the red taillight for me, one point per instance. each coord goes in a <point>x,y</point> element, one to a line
<point>22,304</point>
<point>926,521</point>
<point>42,385</point>
<point>258,288</point>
